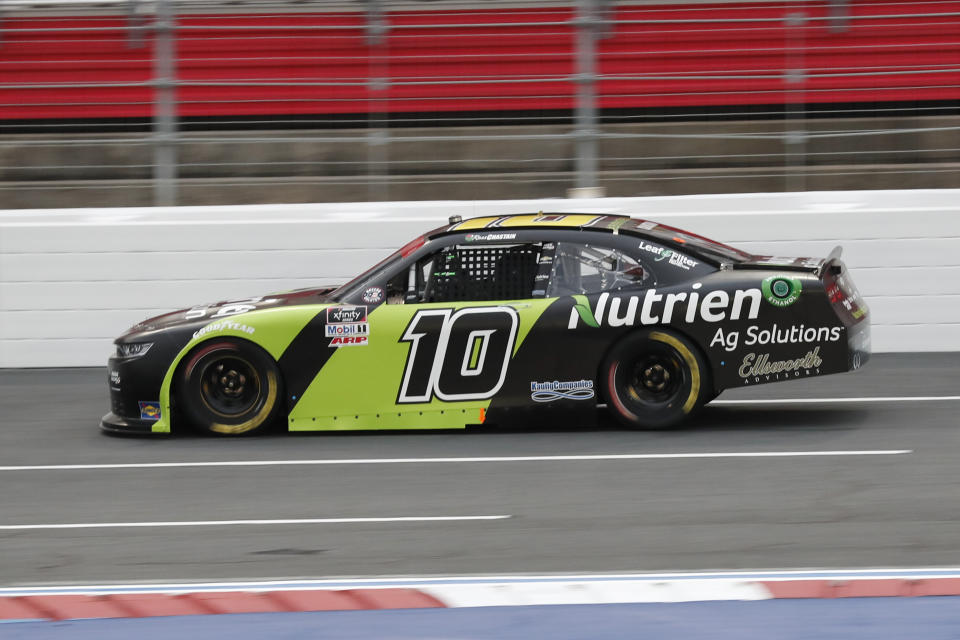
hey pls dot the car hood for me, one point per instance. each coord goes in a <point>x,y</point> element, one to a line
<point>202,314</point>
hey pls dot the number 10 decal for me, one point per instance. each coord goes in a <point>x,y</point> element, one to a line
<point>457,355</point>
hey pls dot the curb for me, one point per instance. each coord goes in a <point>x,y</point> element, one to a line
<point>147,601</point>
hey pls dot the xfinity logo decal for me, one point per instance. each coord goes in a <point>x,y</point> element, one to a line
<point>337,315</point>
<point>657,308</point>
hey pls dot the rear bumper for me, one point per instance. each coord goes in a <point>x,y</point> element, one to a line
<point>115,425</point>
<point>858,345</point>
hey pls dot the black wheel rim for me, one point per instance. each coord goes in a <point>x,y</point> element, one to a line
<point>230,386</point>
<point>655,378</point>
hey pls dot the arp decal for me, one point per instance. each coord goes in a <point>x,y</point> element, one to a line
<point>457,355</point>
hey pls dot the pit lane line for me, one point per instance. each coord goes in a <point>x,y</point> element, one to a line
<point>478,459</point>
<point>414,582</point>
<point>221,523</point>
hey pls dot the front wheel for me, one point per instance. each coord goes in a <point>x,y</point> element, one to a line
<point>654,378</point>
<point>230,387</point>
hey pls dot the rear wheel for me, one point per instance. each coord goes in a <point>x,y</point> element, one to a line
<point>654,378</point>
<point>230,387</point>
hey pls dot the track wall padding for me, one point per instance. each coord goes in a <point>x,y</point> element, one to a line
<point>71,280</point>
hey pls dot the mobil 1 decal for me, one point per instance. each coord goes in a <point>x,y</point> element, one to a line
<point>457,355</point>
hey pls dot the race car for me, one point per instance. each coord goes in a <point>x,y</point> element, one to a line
<point>517,319</point>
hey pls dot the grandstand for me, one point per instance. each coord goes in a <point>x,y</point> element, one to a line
<point>214,102</point>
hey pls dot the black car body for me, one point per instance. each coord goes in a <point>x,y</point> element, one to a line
<point>521,318</point>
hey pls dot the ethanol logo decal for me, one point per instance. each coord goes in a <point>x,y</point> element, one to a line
<point>781,291</point>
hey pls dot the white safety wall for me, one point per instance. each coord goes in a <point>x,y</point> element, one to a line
<point>73,279</point>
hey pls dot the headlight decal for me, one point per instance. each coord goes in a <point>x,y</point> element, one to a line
<point>133,349</point>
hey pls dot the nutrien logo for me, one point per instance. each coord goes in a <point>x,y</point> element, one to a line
<point>657,308</point>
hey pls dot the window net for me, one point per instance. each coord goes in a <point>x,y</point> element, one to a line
<point>483,273</point>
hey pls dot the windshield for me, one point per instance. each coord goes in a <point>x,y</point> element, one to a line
<point>373,272</point>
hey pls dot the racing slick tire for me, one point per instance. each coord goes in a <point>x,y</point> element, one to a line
<point>654,379</point>
<point>230,388</point>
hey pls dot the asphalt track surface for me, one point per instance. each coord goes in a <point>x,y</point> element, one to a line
<point>899,508</point>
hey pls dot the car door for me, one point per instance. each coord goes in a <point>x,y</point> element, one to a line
<point>442,334</point>
<point>554,373</point>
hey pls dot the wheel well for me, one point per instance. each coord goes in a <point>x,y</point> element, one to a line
<point>176,416</point>
<point>599,373</point>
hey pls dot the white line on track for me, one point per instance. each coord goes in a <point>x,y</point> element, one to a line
<point>221,523</point>
<point>838,400</point>
<point>360,461</point>
<point>427,581</point>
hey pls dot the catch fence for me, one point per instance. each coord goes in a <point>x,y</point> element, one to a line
<point>210,101</point>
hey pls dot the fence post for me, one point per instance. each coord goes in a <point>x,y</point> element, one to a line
<point>135,24</point>
<point>795,79</point>
<point>588,26</point>
<point>378,134</point>
<point>164,107</point>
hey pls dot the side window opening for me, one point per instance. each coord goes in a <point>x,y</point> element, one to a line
<point>584,268</point>
<point>469,272</point>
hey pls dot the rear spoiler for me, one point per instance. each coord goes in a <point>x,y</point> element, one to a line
<point>831,261</point>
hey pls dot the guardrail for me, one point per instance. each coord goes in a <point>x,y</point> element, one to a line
<point>73,279</point>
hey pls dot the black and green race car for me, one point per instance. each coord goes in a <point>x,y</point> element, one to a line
<point>517,319</point>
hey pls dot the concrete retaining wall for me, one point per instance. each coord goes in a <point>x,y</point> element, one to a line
<point>73,279</point>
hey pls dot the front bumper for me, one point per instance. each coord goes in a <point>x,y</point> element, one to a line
<point>135,387</point>
<point>116,425</point>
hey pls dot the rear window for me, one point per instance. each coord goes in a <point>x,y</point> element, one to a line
<point>693,242</point>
